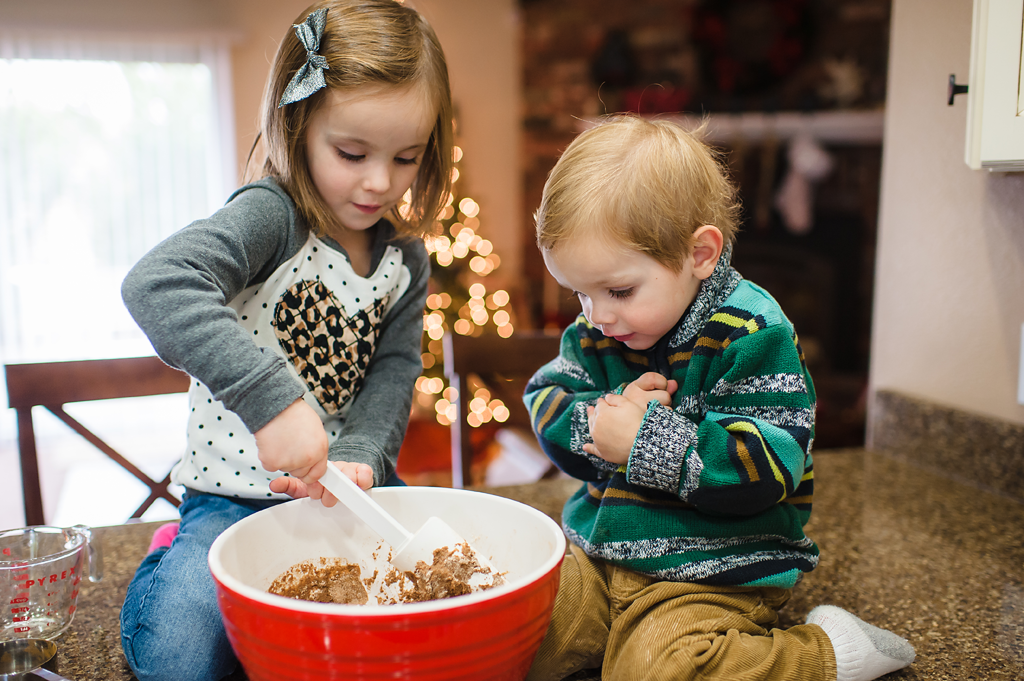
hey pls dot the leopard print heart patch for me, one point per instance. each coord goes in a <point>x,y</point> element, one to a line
<point>328,348</point>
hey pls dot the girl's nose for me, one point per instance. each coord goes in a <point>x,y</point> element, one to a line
<point>377,179</point>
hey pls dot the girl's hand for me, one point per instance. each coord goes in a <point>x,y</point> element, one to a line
<point>651,386</point>
<point>614,422</point>
<point>359,473</point>
<point>295,442</point>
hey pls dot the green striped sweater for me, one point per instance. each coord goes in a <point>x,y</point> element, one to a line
<point>717,488</point>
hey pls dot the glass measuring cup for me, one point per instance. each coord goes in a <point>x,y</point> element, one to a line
<point>40,569</point>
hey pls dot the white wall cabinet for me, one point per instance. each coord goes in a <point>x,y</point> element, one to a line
<point>995,99</point>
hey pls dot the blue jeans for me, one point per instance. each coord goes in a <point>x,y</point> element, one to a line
<point>170,624</point>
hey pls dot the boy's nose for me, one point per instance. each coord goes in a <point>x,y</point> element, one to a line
<point>600,315</point>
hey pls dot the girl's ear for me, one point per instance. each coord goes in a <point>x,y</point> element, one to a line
<point>707,250</point>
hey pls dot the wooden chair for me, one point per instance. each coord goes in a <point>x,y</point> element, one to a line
<point>54,384</point>
<point>504,365</point>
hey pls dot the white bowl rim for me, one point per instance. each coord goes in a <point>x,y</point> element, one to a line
<point>232,583</point>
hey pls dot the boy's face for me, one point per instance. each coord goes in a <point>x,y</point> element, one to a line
<point>626,294</point>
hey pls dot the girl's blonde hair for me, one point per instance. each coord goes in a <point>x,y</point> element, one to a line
<point>647,184</point>
<point>366,43</point>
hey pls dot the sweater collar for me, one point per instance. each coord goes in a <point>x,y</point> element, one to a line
<point>712,293</point>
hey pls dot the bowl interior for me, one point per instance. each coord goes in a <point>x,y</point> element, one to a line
<point>518,540</point>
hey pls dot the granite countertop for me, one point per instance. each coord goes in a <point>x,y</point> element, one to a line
<point>933,559</point>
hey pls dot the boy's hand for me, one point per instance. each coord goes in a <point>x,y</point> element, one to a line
<point>295,442</point>
<point>651,386</point>
<point>614,422</point>
<point>359,473</point>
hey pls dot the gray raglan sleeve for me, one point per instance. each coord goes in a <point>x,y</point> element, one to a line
<point>178,295</point>
<point>375,424</point>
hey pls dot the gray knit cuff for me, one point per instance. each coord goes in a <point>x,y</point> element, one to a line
<point>659,451</point>
<point>580,435</point>
<point>358,449</point>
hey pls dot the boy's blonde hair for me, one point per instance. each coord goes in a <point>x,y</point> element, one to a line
<point>647,184</point>
<point>366,43</point>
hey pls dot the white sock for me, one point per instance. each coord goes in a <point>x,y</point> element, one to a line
<point>863,652</point>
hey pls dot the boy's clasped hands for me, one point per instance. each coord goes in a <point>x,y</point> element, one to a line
<point>616,419</point>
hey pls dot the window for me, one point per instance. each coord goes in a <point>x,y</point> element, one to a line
<point>106,147</point>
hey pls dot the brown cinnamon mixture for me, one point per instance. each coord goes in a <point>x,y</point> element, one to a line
<point>447,576</point>
<point>335,580</point>
<point>332,581</point>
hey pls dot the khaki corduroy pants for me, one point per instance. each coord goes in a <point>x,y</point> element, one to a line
<point>641,629</point>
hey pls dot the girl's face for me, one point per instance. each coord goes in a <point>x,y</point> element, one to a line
<point>364,148</point>
<point>627,295</point>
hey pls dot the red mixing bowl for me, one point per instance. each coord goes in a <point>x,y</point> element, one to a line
<point>490,635</point>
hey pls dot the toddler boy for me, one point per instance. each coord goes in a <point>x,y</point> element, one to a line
<point>681,399</point>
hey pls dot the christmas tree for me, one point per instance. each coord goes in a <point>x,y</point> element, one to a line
<point>459,302</point>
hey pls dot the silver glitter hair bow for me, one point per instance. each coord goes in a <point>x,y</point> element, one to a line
<point>310,76</point>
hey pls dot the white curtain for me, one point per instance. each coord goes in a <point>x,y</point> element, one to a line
<point>107,146</point>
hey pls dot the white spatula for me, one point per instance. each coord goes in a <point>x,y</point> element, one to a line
<point>407,548</point>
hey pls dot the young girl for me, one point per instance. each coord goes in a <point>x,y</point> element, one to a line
<point>297,308</point>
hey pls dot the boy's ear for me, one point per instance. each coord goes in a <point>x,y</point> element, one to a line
<point>708,248</point>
